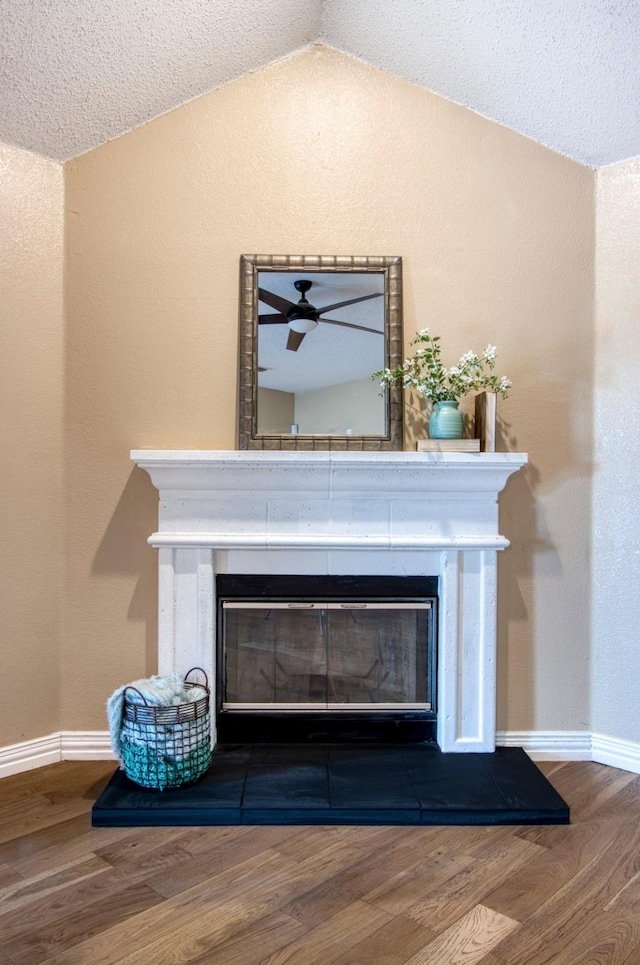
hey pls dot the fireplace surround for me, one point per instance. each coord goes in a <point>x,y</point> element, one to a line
<point>344,514</point>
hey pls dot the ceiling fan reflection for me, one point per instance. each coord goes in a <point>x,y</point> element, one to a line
<point>302,317</point>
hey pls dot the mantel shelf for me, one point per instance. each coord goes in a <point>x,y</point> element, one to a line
<point>223,457</point>
<point>375,474</point>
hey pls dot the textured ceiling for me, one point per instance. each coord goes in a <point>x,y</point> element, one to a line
<point>563,72</point>
<point>75,73</point>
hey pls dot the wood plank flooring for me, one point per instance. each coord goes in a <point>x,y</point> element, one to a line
<point>78,895</point>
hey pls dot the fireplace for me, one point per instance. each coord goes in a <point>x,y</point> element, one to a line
<point>325,658</point>
<point>333,516</point>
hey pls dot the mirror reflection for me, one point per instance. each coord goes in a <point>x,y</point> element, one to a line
<point>320,336</point>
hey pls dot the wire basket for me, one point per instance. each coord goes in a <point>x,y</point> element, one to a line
<point>164,747</point>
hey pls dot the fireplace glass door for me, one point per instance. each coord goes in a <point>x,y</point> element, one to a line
<point>327,655</point>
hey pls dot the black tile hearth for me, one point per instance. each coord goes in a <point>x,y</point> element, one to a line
<point>360,784</point>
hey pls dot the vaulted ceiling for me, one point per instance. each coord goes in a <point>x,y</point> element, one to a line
<point>76,73</point>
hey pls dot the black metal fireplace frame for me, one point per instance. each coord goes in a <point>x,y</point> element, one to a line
<point>278,726</point>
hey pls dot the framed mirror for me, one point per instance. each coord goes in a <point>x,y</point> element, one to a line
<point>313,329</point>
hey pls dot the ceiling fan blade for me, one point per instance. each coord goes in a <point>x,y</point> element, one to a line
<point>275,301</point>
<point>350,301</point>
<point>272,319</point>
<point>362,328</point>
<point>295,340</point>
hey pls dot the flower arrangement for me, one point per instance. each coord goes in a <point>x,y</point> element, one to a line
<point>426,373</point>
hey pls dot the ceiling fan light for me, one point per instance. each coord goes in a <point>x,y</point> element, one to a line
<point>302,325</point>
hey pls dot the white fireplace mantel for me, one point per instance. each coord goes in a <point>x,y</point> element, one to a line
<point>341,513</point>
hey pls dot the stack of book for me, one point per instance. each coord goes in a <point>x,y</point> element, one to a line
<point>448,445</point>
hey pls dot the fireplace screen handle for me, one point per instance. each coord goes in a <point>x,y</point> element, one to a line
<point>326,605</point>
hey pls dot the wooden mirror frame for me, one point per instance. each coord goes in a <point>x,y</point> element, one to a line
<point>250,265</point>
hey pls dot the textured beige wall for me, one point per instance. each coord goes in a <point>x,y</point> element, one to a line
<point>31,387</point>
<point>323,154</point>
<point>616,561</point>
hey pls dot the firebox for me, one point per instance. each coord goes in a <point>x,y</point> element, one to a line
<point>326,657</point>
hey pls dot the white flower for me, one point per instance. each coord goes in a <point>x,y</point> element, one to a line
<point>490,353</point>
<point>468,357</point>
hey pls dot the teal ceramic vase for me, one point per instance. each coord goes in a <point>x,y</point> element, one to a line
<point>446,421</point>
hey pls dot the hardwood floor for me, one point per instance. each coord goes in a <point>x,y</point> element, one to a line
<point>311,896</point>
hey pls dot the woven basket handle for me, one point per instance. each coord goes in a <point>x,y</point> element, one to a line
<point>206,679</point>
<point>135,689</point>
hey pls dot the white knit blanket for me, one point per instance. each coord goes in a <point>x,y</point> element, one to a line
<point>156,691</point>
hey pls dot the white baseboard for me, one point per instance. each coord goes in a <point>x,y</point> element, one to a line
<point>85,745</point>
<point>549,745</point>
<point>566,745</point>
<point>541,745</point>
<point>27,755</point>
<point>63,746</point>
<point>616,752</point>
